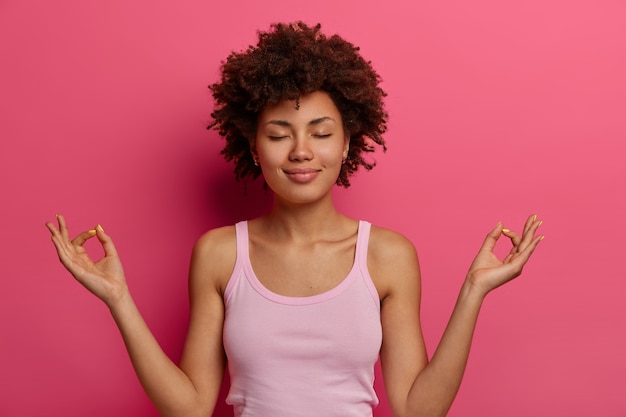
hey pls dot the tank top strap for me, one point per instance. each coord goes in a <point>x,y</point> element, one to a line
<point>360,258</point>
<point>241,232</point>
<point>363,237</point>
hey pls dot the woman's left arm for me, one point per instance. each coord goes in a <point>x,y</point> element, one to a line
<point>415,386</point>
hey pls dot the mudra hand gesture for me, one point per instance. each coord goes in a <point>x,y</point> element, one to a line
<point>487,272</point>
<point>105,277</point>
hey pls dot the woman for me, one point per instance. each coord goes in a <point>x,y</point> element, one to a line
<point>300,303</point>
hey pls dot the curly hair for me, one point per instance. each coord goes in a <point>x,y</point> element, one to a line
<point>290,61</point>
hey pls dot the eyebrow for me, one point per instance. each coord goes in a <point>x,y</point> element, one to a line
<point>311,123</point>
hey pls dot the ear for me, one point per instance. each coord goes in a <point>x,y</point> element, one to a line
<point>255,156</point>
<point>346,146</point>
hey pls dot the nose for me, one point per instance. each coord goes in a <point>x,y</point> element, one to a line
<point>301,150</point>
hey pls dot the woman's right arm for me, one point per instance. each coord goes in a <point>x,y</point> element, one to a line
<point>190,389</point>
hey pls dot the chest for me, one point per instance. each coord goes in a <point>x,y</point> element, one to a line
<point>302,270</point>
<point>330,333</point>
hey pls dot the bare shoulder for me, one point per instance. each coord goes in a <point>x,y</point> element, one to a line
<point>213,257</point>
<point>217,239</point>
<point>392,261</point>
<point>385,243</point>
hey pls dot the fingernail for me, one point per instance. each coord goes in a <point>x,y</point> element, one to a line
<point>540,221</point>
<point>100,228</point>
<point>506,230</point>
<point>534,218</point>
<point>92,231</point>
<point>542,237</point>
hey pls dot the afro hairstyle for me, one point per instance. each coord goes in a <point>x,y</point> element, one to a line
<point>290,61</point>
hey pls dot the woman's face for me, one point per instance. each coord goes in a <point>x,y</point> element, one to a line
<point>301,150</point>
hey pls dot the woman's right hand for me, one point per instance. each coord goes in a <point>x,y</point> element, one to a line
<point>104,278</point>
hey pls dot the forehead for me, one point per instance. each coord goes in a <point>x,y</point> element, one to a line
<point>313,106</point>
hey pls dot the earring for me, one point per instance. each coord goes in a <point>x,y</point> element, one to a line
<point>256,162</point>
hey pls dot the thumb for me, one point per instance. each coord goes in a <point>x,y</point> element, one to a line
<point>106,241</point>
<point>492,238</point>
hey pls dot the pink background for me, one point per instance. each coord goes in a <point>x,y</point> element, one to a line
<point>498,109</point>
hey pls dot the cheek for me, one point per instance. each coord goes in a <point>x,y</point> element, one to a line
<point>269,153</point>
<point>332,154</point>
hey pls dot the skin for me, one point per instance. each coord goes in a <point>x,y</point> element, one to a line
<point>302,247</point>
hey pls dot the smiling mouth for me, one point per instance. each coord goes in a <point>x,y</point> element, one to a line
<point>301,175</point>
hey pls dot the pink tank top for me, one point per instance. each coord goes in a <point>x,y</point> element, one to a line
<point>302,356</point>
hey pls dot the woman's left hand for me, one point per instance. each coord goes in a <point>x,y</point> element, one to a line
<point>487,272</point>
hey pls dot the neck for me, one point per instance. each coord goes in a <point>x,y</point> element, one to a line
<point>304,222</point>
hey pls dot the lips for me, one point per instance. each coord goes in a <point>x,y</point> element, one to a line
<point>301,175</point>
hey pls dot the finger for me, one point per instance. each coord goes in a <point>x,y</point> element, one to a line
<point>52,228</point>
<point>529,234</point>
<point>65,233</point>
<point>57,244</point>
<point>515,239</point>
<point>66,249</point>
<point>492,238</point>
<point>55,230</point>
<point>83,237</point>
<point>529,222</point>
<point>106,241</point>
<point>64,252</point>
<point>525,254</point>
<point>58,238</point>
